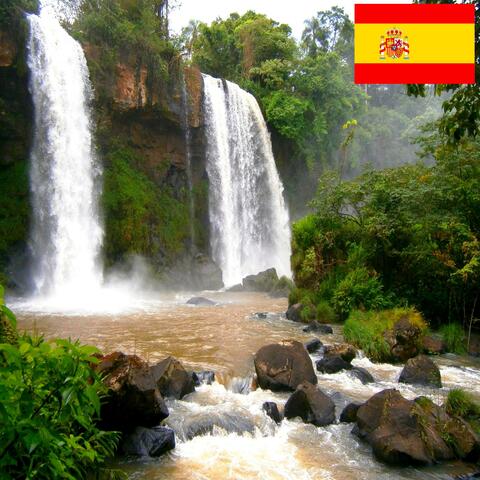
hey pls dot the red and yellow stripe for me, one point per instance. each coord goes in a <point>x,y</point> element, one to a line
<point>438,40</point>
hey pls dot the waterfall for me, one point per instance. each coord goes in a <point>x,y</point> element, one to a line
<point>249,222</point>
<point>66,232</point>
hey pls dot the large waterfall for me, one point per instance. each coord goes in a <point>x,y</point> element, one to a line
<point>249,221</point>
<point>66,234</point>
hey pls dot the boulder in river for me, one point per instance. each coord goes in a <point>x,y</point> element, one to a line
<point>349,413</point>
<point>313,345</point>
<point>318,327</point>
<point>172,379</point>
<point>133,396</point>
<point>404,339</point>
<point>148,442</point>
<point>261,282</point>
<point>344,350</point>
<point>311,405</point>
<point>201,302</point>
<point>332,364</point>
<point>406,432</point>
<point>434,345</point>
<point>283,366</point>
<point>421,371</point>
<point>294,312</point>
<point>271,409</point>
<point>362,374</point>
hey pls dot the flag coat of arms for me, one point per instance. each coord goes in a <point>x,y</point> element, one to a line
<point>432,43</point>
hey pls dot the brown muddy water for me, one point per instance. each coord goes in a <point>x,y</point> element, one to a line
<point>244,443</point>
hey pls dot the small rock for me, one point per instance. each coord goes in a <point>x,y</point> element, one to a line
<point>201,302</point>
<point>172,379</point>
<point>271,409</point>
<point>318,327</point>
<point>362,374</point>
<point>332,364</point>
<point>294,312</point>
<point>421,371</point>
<point>311,405</point>
<point>261,315</point>
<point>344,350</point>
<point>148,442</point>
<point>207,377</point>
<point>283,366</point>
<point>349,413</point>
<point>313,345</point>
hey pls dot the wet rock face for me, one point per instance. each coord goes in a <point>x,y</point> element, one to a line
<point>172,379</point>
<point>405,432</point>
<point>332,364</point>
<point>294,312</point>
<point>349,413</point>
<point>404,340</point>
<point>133,396</point>
<point>283,366</point>
<point>271,409</point>
<point>313,345</point>
<point>261,282</point>
<point>311,405</point>
<point>148,442</point>
<point>362,374</point>
<point>421,371</point>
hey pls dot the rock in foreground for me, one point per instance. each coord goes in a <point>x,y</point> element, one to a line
<point>421,371</point>
<point>283,366</point>
<point>405,432</point>
<point>311,405</point>
<point>148,442</point>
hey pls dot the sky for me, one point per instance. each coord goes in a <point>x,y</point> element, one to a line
<point>292,12</point>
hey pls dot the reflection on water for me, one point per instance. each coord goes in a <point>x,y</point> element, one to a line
<point>222,432</point>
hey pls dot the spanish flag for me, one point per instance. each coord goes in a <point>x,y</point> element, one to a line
<point>432,43</point>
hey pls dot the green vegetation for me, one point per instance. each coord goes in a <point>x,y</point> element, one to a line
<point>50,405</point>
<point>460,403</point>
<point>454,338</point>
<point>365,329</point>
<point>140,216</point>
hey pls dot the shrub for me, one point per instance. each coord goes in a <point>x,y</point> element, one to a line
<point>308,313</point>
<point>365,329</point>
<point>460,403</point>
<point>325,313</point>
<point>454,338</point>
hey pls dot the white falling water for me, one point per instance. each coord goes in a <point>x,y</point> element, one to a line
<point>66,234</point>
<point>249,221</point>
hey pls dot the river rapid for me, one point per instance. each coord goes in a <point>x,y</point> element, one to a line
<point>243,442</point>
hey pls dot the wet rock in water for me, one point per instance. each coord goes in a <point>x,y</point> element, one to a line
<point>133,396</point>
<point>403,339</point>
<point>207,377</point>
<point>236,288</point>
<point>434,345</point>
<point>201,302</point>
<point>344,350</point>
<point>294,312</point>
<point>318,327</point>
<point>261,282</point>
<point>261,315</point>
<point>172,379</point>
<point>333,364</point>
<point>148,442</point>
<point>421,371</point>
<point>311,405</point>
<point>271,409</point>
<point>283,366</point>
<point>313,345</point>
<point>362,374</point>
<point>349,413</point>
<point>405,432</point>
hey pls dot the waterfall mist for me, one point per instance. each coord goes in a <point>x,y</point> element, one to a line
<point>66,232</point>
<point>249,222</point>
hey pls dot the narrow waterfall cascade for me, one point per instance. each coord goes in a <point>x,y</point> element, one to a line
<point>249,221</point>
<point>66,232</point>
<point>188,160</point>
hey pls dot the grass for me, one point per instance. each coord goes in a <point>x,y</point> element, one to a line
<point>454,338</point>
<point>461,404</point>
<point>365,330</point>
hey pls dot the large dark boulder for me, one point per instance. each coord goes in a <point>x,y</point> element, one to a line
<point>133,396</point>
<point>201,302</point>
<point>318,328</point>
<point>344,350</point>
<point>148,442</point>
<point>271,409</point>
<point>172,379</point>
<point>313,345</point>
<point>362,374</point>
<point>311,405</point>
<point>406,432</point>
<point>294,312</point>
<point>332,364</point>
<point>261,282</point>
<point>421,371</point>
<point>349,413</point>
<point>283,366</point>
<point>404,339</point>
